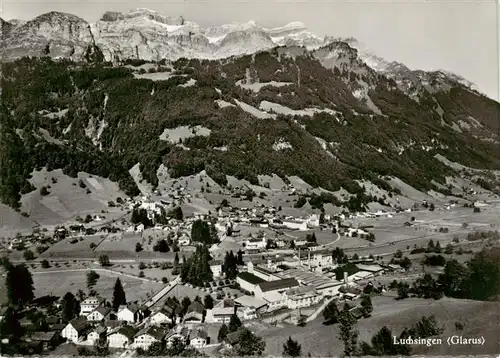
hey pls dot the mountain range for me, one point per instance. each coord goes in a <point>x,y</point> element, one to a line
<point>103,97</point>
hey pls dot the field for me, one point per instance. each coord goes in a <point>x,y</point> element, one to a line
<point>480,319</point>
<point>59,282</point>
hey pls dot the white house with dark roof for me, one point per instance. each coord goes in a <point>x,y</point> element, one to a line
<point>301,297</point>
<point>161,316</point>
<point>99,314</point>
<point>179,332</point>
<point>122,337</point>
<point>199,339</point>
<point>131,313</point>
<point>221,312</point>
<point>255,243</point>
<point>90,304</point>
<point>249,307</point>
<point>194,313</point>
<point>147,336</point>
<point>76,330</point>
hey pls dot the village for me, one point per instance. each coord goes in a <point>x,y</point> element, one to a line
<point>264,266</point>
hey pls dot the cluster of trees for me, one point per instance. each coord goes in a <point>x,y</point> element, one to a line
<point>382,343</point>
<point>204,232</point>
<point>339,256</point>
<point>332,313</point>
<point>196,269</point>
<point>478,279</point>
<point>230,265</point>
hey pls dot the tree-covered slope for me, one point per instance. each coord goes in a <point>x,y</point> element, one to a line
<point>102,119</point>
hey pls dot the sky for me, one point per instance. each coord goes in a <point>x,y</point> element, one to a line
<point>455,35</point>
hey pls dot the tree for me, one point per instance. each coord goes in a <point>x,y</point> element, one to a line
<point>448,249</point>
<point>405,263</point>
<point>28,255</point>
<point>234,323</point>
<point>161,246</point>
<point>249,344</point>
<point>430,246</point>
<point>437,248</point>
<point>348,334</point>
<point>104,260</point>
<point>45,264</point>
<point>92,278</point>
<point>119,297</point>
<point>138,247</point>
<point>19,284</point>
<point>185,303</point>
<point>200,232</point>
<point>240,257</point>
<point>483,282</point>
<point>331,313</point>
<point>176,259</point>
<point>339,256</point>
<point>403,290</point>
<point>223,331</point>
<point>398,254</point>
<point>176,213</point>
<point>196,270</point>
<point>230,266</point>
<point>453,279</point>
<point>292,348</point>
<point>208,302</point>
<point>70,307</point>
<point>366,305</point>
<point>10,327</point>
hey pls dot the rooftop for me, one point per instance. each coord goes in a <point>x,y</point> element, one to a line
<point>250,277</point>
<point>278,284</point>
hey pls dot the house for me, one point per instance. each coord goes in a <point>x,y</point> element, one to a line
<point>122,338</point>
<point>76,330</point>
<point>99,314</point>
<point>295,224</point>
<point>375,270</point>
<point>248,281</point>
<point>264,273</point>
<point>90,304</point>
<point>255,243</point>
<point>162,316</point>
<point>96,335</point>
<point>249,307</point>
<point>147,336</point>
<point>222,312</point>
<point>274,300</point>
<point>131,313</point>
<point>49,340</point>
<point>199,339</point>
<point>180,333</point>
<point>194,313</point>
<point>216,267</point>
<point>301,297</point>
<point>275,286</point>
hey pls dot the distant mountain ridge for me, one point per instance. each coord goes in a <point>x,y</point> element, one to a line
<point>145,34</point>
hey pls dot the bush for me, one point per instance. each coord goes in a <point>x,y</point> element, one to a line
<point>142,266</point>
<point>141,274</point>
<point>29,255</point>
<point>45,264</point>
<point>164,280</point>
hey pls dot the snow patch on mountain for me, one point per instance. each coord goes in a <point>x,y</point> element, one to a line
<point>254,111</point>
<point>281,144</point>
<point>280,109</point>
<point>177,135</point>
<point>257,86</point>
